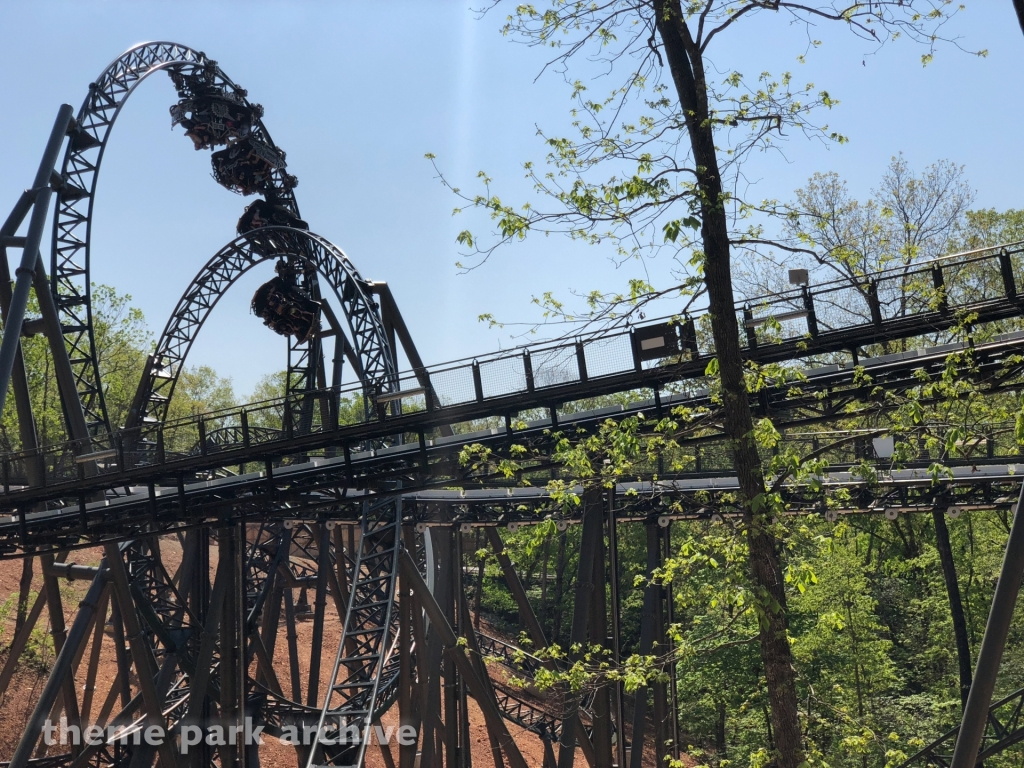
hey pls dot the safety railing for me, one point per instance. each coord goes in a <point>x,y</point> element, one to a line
<point>949,285</point>
<point>942,286</point>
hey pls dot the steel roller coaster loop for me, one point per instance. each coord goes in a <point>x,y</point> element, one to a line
<point>199,80</point>
<point>367,685</point>
<point>180,625</point>
<point>375,359</point>
<point>70,269</point>
<point>170,611</point>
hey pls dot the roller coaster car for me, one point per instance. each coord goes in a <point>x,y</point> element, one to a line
<point>264,213</point>
<point>284,310</point>
<point>215,118</point>
<point>247,165</point>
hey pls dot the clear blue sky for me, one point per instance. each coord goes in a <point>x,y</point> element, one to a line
<point>358,92</point>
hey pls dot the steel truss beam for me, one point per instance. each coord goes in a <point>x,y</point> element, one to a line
<point>72,229</point>
<point>214,279</point>
<point>326,482</point>
<point>826,393</point>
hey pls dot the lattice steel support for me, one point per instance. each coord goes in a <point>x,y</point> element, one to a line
<point>1004,601</point>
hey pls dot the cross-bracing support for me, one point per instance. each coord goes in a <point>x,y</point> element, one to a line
<point>972,728</point>
<point>13,303</point>
<point>535,630</point>
<point>60,673</point>
<point>457,654</point>
<point>37,199</point>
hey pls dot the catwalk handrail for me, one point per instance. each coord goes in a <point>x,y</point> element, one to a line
<point>541,375</point>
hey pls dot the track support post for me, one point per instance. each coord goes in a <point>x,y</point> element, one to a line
<point>452,648</point>
<point>30,250</point>
<point>972,727</point>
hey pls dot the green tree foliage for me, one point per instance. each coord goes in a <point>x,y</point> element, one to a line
<point>868,606</point>
<point>654,163</point>
<point>122,342</point>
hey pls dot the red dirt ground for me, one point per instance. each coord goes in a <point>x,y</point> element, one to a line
<point>16,704</point>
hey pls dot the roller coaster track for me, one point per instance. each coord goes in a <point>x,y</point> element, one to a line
<point>72,229</point>
<point>814,395</point>
<point>271,482</point>
<point>377,369</point>
<point>167,613</point>
<point>515,705</point>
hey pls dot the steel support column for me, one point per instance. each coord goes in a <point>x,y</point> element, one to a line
<point>599,636</point>
<point>647,633</point>
<point>529,618</point>
<point>60,672</point>
<point>972,727</point>
<point>458,655</point>
<point>590,537</point>
<point>30,250</point>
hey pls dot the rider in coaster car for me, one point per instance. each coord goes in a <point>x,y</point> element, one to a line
<point>268,213</point>
<point>210,112</point>
<point>247,166</point>
<point>283,308</point>
<point>215,119</point>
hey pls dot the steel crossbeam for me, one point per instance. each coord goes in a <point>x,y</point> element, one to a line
<point>997,362</point>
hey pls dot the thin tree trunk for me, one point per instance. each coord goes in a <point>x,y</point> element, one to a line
<point>720,746</point>
<point>956,608</point>
<point>687,66</point>
<point>479,579</point>
<point>544,583</point>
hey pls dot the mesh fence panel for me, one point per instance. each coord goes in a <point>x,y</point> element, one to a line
<point>504,376</point>
<point>555,366</point>
<point>901,294</point>
<point>608,356</point>
<point>976,281</point>
<point>842,308</point>
<point>454,385</point>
